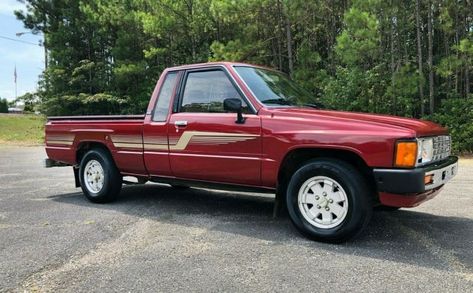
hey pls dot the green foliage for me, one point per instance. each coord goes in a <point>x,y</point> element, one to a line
<point>3,105</point>
<point>232,51</point>
<point>104,57</point>
<point>457,115</point>
<point>85,104</point>
<point>359,42</point>
<point>402,91</point>
<point>30,101</point>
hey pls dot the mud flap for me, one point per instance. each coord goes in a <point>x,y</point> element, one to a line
<point>279,202</point>
<point>76,176</point>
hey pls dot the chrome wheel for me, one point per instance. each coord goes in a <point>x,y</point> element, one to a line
<point>94,176</point>
<point>323,202</point>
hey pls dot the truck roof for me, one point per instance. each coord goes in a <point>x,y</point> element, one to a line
<point>223,63</point>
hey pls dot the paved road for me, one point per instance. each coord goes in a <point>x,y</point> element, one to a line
<point>155,238</point>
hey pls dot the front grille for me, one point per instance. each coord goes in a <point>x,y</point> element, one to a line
<point>442,147</point>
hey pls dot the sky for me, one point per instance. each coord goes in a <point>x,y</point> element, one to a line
<point>29,58</point>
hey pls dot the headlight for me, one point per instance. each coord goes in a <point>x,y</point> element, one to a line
<point>425,150</point>
<point>413,152</point>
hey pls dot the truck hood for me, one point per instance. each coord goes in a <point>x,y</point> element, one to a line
<point>419,127</point>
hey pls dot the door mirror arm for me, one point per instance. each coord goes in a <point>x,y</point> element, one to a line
<point>234,105</point>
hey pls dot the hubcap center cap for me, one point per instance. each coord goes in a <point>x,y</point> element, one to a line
<point>323,202</point>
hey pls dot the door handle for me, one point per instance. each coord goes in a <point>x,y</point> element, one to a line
<point>180,123</point>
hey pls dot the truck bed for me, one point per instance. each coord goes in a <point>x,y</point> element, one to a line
<point>65,135</point>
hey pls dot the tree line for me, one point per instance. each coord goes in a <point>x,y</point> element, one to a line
<point>404,57</point>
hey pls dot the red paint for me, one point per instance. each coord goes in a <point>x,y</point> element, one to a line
<point>408,200</point>
<point>255,162</point>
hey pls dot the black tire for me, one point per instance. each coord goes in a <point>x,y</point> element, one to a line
<point>358,195</point>
<point>112,179</point>
<point>180,187</point>
<point>386,208</point>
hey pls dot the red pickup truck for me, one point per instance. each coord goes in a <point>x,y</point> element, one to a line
<point>238,126</point>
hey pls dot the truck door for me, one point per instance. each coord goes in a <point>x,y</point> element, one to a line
<point>155,136</point>
<point>205,142</point>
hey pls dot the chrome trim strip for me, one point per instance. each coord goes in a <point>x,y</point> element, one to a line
<point>155,153</point>
<point>93,130</point>
<point>216,156</point>
<point>58,148</point>
<point>130,152</point>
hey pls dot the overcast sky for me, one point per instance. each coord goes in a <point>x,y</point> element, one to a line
<point>29,58</point>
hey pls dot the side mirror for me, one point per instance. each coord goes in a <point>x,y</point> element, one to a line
<point>234,105</point>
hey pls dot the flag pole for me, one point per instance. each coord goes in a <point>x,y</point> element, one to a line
<point>16,84</point>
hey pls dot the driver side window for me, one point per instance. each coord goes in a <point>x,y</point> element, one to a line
<point>205,91</point>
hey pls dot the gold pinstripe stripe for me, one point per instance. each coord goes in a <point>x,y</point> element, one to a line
<point>159,147</point>
<point>126,139</point>
<point>61,137</point>
<point>188,137</point>
<point>128,145</point>
<point>209,136</point>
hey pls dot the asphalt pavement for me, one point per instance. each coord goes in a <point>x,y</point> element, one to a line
<point>158,239</point>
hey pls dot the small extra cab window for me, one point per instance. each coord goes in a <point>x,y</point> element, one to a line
<point>205,91</point>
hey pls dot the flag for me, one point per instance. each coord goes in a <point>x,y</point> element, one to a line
<point>14,74</point>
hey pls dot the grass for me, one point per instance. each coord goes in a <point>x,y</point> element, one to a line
<point>24,129</point>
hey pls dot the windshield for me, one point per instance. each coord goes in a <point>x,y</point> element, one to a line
<point>273,88</point>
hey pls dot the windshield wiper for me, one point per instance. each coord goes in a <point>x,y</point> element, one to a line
<point>315,105</point>
<point>279,101</point>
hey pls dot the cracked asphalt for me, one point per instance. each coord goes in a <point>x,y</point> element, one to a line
<point>158,239</point>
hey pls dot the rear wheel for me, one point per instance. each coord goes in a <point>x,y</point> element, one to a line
<point>100,179</point>
<point>328,200</point>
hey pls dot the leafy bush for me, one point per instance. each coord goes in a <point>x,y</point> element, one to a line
<point>3,106</point>
<point>457,115</point>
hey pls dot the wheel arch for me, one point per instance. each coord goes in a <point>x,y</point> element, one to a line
<point>295,158</point>
<point>85,146</point>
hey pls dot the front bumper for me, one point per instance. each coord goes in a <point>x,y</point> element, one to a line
<point>412,181</point>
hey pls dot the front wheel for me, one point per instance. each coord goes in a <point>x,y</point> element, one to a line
<point>386,208</point>
<point>328,200</point>
<point>100,179</point>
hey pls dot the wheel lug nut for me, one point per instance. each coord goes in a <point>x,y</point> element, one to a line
<point>317,197</point>
<point>330,201</point>
<point>318,206</point>
<point>324,194</point>
<point>327,209</point>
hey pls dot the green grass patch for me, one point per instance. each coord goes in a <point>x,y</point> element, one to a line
<point>24,129</point>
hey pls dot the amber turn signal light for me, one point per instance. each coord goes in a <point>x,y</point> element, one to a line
<point>428,179</point>
<point>406,154</point>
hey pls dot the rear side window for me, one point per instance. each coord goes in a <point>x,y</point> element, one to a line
<point>205,91</point>
<point>164,98</point>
